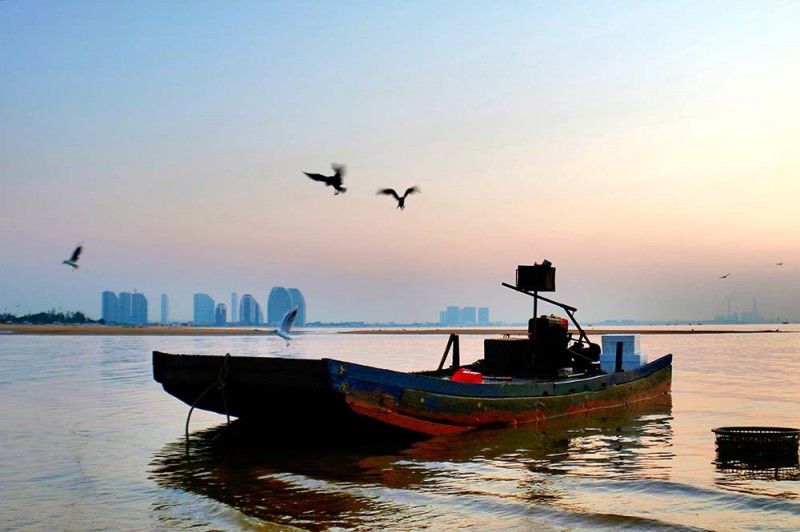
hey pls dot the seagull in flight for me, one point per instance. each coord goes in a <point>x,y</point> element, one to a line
<point>401,200</point>
<point>334,180</point>
<point>724,276</point>
<point>73,260</point>
<point>286,325</point>
<point>778,264</point>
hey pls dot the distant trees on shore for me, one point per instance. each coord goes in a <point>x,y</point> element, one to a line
<point>44,318</point>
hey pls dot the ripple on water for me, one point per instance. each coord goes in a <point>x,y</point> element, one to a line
<point>92,442</point>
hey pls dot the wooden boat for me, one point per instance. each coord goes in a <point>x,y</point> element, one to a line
<point>277,392</point>
<point>518,381</point>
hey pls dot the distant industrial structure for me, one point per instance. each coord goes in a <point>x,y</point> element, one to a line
<point>125,309</point>
<point>745,316</point>
<point>464,316</point>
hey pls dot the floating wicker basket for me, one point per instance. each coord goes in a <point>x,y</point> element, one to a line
<point>757,436</point>
<point>757,447</point>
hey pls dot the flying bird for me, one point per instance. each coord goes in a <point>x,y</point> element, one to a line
<point>334,180</point>
<point>286,325</point>
<point>778,264</point>
<point>724,276</point>
<point>73,260</point>
<point>401,200</point>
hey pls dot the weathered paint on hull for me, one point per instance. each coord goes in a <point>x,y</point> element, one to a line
<point>433,412</point>
<point>330,394</point>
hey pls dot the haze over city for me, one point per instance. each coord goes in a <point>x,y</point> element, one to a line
<point>645,148</point>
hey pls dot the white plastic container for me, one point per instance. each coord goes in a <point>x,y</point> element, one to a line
<point>632,357</point>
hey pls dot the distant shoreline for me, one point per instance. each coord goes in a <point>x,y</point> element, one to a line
<point>119,330</point>
<point>523,332</point>
<point>161,330</point>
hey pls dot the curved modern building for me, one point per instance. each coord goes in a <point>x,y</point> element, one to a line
<point>279,303</point>
<point>249,311</point>
<point>298,301</point>
<point>203,310</point>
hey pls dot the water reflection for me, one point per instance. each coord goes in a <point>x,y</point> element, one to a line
<point>734,465</point>
<point>320,483</point>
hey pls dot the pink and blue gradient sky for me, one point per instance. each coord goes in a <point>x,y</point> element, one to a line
<point>645,148</point>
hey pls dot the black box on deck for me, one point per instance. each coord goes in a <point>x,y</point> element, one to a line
<point>508,355</point>
<point>537,278</point>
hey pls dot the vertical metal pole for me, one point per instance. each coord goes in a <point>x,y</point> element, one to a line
<point>618,366</point>
<point>446,351</point>
<point>456,353</point>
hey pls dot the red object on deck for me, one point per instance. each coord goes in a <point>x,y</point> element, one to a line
<point>466,375</point>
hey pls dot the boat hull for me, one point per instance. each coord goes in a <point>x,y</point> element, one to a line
<point>270,390</point>
<point>436,406</point>
<point>327,394</point>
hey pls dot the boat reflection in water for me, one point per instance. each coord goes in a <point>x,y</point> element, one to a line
<point>488,477</point>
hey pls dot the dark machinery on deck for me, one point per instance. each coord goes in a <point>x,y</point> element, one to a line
<point>549,350</point>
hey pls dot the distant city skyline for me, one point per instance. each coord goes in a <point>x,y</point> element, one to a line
<point>125,308</point>
<point>207,311</point>
<point>464,316</point>
<point>137,313</point>
<point>645,148</point>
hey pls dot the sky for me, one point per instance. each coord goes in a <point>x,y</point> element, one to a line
<point>644,148</point>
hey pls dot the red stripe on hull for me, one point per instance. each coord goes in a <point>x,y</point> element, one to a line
<point>408,415</point>
<point>392,417</point>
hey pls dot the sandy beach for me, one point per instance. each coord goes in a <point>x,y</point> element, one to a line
<point>119,330</point>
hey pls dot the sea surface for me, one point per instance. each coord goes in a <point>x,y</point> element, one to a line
<point>89,441</point>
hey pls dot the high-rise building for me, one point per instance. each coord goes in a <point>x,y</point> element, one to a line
<point>203,310</point>
<point>466,316</point>
<point>164,309</point>
<point>279,303</point>
<point>125,308</point>
<point>220,315</point>
<point>452,315</point>
<point>138,309</point>
<point>110,307</point>
<point>250,311</point>
<point>483,315</point>
<point>234,307</point>
<point>300,302</point>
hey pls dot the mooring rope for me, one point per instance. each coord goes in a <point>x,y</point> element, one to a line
<point>220,384</point>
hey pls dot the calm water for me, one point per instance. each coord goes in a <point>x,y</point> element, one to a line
<point>88,441</point>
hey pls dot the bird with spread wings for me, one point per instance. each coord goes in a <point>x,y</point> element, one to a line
<point>73,260</point>
<point>286,324</point>
<point>334,180</point>
<point>401,200</point>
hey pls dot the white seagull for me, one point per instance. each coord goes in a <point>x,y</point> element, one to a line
<point>73,260</point>
<point>286,325</point>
